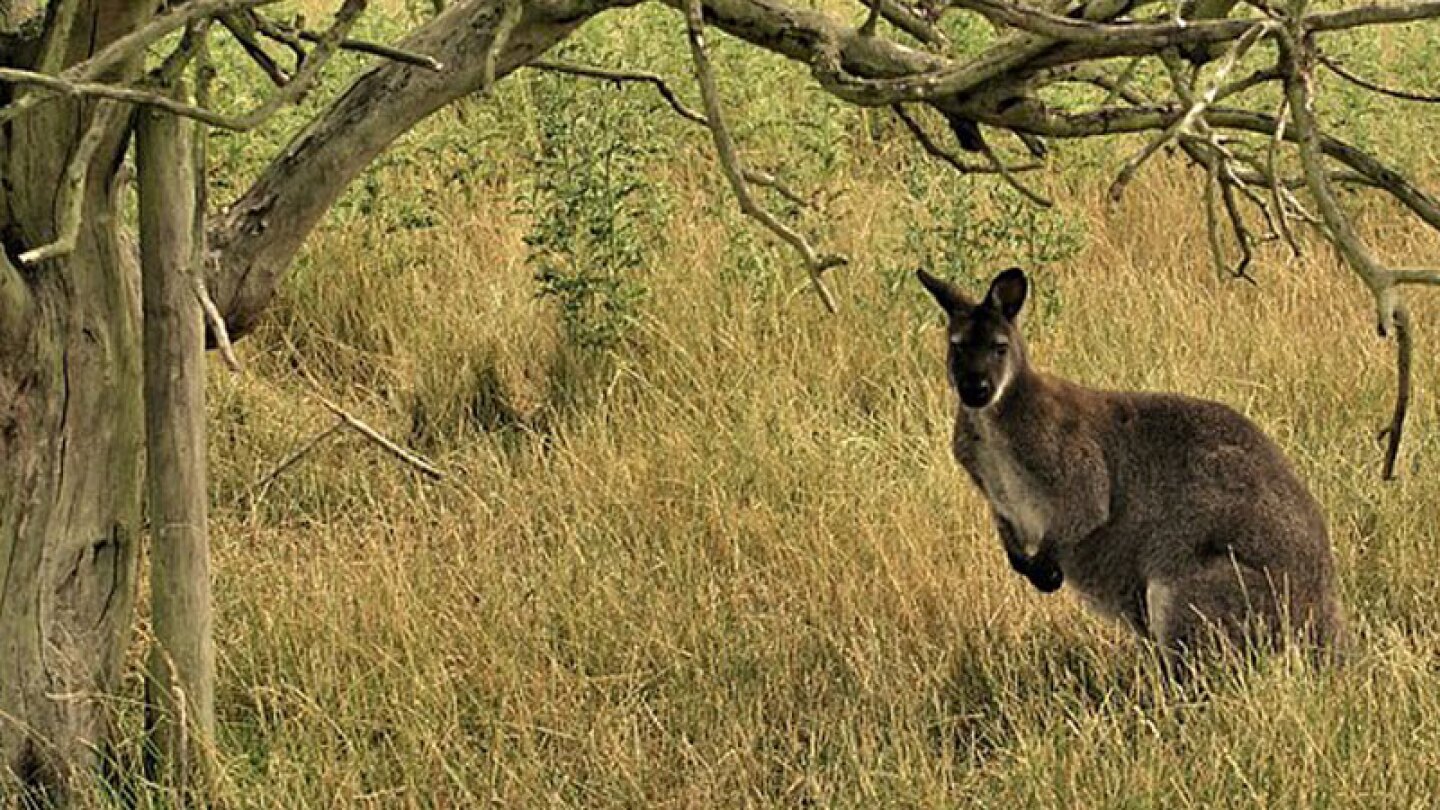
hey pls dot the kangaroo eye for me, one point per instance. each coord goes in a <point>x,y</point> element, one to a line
<point>1002,348</point>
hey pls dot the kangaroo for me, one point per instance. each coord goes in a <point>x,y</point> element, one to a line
<point>1177,515</point>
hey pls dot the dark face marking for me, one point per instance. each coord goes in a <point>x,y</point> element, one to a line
<point>981,342</point>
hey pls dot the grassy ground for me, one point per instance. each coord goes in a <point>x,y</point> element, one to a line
<point>702,545</point>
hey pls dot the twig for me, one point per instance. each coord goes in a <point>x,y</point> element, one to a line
<point>1212,215</point>
<point>1272,166</point>
<point>734,171</point>
<point>1121,82</point>
<point>204,73</point>
<point>1196,109</point>
<point>1014,182</point>
<point>296,456</point>
<point>306,76</point>
<point>903,18</point>
<point>935,150</point>
<point>1403,351</point>
<point>279,32</point>
<point>72,188</point>
<point>347,419</point>
<point>420,464</point>
<point>673,99</point>
<point>243,28</point>
<point>623,76</point>
<point>292,37</point>
<point>1414,276</point>
<point>290,93</point>
<point>116,93</point>
<point>1344,73</point>
<point>133,43</point>
<point>1243,237</point>
<point>510,14</point>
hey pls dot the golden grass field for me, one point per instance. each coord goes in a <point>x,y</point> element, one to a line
<point>731,563</point>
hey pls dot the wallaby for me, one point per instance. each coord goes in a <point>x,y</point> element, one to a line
<point>1177,515</point>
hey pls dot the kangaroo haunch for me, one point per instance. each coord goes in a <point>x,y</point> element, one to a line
<point>1176,514</point>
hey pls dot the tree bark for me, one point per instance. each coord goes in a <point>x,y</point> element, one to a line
<point>70,439</point>
<point>181,681</point>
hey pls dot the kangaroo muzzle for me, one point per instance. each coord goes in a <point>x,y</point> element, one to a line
<point>976,392</point>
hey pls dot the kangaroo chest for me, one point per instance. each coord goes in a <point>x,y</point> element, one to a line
<point>1007,484</point>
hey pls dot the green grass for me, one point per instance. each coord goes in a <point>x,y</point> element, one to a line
<point>727,561</point>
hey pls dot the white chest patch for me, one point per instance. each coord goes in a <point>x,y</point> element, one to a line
<point>1009,487</point>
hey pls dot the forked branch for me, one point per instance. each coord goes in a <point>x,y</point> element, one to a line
<point>815,263</point>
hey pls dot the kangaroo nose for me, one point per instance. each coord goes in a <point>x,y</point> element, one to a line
<point>976,392</point>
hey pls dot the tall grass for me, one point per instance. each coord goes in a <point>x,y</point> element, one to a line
<point>727,560</point>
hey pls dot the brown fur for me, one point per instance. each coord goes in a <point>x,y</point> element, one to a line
<point>1175,514</point>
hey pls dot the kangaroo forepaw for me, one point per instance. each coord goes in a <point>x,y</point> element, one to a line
<point>1042,572</point>
<point>1047,578</point>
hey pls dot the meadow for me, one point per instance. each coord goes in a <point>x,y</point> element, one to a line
<point>700,543</point>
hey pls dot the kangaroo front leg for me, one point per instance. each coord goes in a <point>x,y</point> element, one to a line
<point>1041,569</point>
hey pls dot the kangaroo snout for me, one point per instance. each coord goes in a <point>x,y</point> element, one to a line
<point>976,392</point>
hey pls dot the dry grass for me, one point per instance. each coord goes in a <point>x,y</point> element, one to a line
<point>739,568</point>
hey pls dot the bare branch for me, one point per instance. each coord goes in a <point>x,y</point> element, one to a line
<point>257,489</point>
<point>412,459</point>
<point>510,13</point>
<point>283,34</point>
<point>244,29</point>
<point>908,20</point>
<point>621,76</point>
<point>292,38</point>
<point>1405,95</point>
<point>1243,238</point>
<point>308,73</point>
<point>1010,179</point>
<point>1277,195</point>
<point>1298,59</point>
<point>1212,216</point>
<point>131,45</point>
<point>135,42</point>
<point>1370,14</point>
<point>1416,276</point>
<point>121,93</point>
<point>734,171</point>
<point>959,164</point>
<point>199,238</point>
<point>1180,32</point>
<point>1196,109</point>
<point>1404,349</point>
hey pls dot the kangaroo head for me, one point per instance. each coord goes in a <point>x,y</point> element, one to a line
<point>986,350</point>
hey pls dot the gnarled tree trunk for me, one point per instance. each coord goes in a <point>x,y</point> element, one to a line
<point>70,436</point>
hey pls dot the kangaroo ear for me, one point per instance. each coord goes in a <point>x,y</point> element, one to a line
<point>1007,293</point>
<point>950,299</point>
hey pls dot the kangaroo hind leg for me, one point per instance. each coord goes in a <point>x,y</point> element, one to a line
<point>1222,604</point>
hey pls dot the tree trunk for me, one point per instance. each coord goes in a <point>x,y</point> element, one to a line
<point>180,687</point>
<point>70,438</point>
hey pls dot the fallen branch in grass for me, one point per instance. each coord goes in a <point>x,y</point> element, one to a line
<point>413,460</point>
